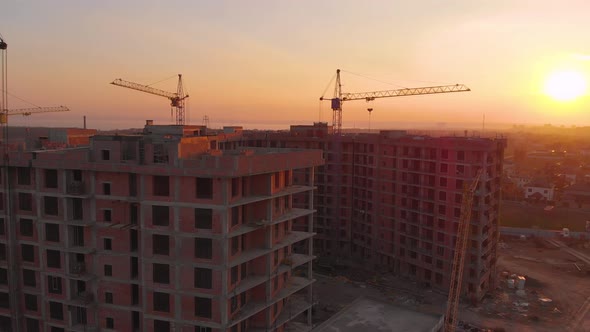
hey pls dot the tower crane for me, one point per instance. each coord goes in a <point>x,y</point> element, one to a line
<point>340,97</point>
<point>28,111</point>
<point>459,258</point>
<point>176,98</point>
<point>8,196</point>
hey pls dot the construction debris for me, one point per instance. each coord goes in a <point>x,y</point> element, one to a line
<point>520,280</point>
<point>545,300</point>
<point>510,283</point>
<point>511,301</point>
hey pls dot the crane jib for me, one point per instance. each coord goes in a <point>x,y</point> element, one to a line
<point>176,98</point>
<point>340,97</point>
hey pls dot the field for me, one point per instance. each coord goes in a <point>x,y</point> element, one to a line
<point>514,214</point>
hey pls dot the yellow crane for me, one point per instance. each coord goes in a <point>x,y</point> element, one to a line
<point>177,99</point>
<point>28,111</point>
<point>340,97</point>
<point>459,258</point>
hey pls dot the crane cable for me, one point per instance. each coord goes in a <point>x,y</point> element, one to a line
<point>328,86</point>
<point>162,80</point>
<point>322,97</point>
<point>373,79</point>
<point>396,85</point>
<point>19,98</point>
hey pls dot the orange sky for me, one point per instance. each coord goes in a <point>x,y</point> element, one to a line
<point>266,63</point>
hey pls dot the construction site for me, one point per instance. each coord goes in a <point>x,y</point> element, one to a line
<point>553,296</point>
<point>182,227</point>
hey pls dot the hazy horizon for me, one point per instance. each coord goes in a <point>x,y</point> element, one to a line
<point>451,126</point>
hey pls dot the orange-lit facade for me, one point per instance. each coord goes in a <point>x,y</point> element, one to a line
<point>392,200</point>
<point>167,231</point>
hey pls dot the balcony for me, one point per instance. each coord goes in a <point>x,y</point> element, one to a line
<point>290,190</point>
<point>80,248</point>
<point>83,328</point>
<point>290,214</point>
<point>295,306</point>
<point>293,285</point>
<point>76,188</point>
<point>293,261</point>
<point>78,270</point>
<point>423,250</point>
<point>74,211</point>
<point>253,253</point>
<point>254,224</point>
<point>83,298</point>
<point>249,282</point>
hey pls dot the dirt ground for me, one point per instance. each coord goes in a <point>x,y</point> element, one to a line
<point>555,290</point>
<point>551,274</point>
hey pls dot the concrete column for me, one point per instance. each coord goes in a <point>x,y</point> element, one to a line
<point>310,244</point>
<point>89,215</point>
<point>269,241</point>
<point>175,268</point>
<point>42,272</point>
<point>12,247</point>
<point>143,209</point>
<point>224,243</point>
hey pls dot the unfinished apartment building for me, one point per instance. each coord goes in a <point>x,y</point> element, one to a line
<point>392,201</point>
<point>156,232</point>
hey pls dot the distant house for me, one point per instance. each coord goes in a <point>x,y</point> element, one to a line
<point>540,190</point>
<point>568,178</point>
<point>521,181</point>
<point>577,196</point>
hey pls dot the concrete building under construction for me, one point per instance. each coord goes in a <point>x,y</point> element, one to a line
<point>170,230</point>
<point>392,200</point>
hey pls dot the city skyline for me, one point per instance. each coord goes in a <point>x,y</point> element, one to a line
<point>267,63</point>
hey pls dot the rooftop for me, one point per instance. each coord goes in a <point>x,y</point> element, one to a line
<point>578,187</point>
<point>365,314</point>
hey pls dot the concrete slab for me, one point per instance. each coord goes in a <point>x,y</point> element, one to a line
<point>365,314</point>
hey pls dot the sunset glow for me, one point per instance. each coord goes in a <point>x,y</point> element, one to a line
<point>265,65</point>
<point>565,85</point>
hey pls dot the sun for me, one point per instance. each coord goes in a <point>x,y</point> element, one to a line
<point>565,85</point>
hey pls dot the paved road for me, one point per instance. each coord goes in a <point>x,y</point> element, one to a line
<point>581,319</point>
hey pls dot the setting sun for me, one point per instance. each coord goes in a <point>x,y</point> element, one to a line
<point>565,85</point>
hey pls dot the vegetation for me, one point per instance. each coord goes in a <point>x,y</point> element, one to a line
<point>514,214</point>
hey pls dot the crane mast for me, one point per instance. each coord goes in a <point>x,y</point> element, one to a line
<point>177,99</point>
<point>340,97</point>
<point>459,257</point>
